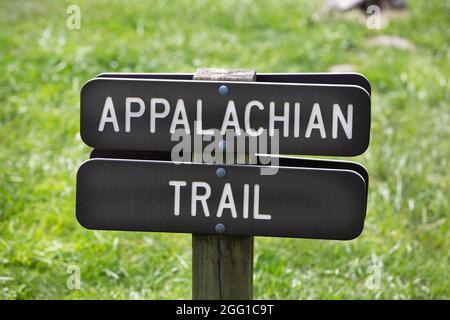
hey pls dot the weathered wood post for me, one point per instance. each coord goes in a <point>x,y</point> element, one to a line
<point>222,265</point>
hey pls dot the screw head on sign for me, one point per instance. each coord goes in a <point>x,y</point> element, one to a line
<point>221,172</point>
<point>220,228</point>
<point>223,90</point>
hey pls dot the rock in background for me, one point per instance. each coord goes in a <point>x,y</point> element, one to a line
<point>344,5</point>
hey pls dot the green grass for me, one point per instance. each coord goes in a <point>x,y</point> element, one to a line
<point>43,65</point>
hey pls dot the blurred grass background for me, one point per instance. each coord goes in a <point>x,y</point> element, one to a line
<point>43,64</point>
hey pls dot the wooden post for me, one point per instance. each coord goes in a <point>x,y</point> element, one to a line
<point>222,265</point>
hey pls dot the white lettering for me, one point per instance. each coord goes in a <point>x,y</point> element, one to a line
<point>248,128</point>
<point>246,201</point>
<point>200,130</point>
<point>132,114</point>
<point>154,114</point>
<point>230,119</point>
<point>346,125</point>
<point>108,108</point>
<point>227,201</point>
<point>202,198</point>
<point>177,185</point>
<point>180,111</point>
<point>256,213</point>
<point>296,120</point>
<point>284,118</point>
<point>312,124</point>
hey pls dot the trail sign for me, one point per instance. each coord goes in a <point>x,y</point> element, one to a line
<point>143,113</point>
<point>138,178</point>
<point>148,195</point>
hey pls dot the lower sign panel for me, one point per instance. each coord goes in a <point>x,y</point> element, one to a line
<point>162,196</point>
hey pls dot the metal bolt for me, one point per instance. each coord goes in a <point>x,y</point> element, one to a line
<point>223,90</point>
<point>222,145</point>
<point>221,172</point>
<point>220,228</point>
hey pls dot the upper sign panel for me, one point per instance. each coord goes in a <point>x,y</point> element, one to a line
<point>143,114</point>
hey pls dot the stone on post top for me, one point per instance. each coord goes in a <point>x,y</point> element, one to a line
<point>216,74</point>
